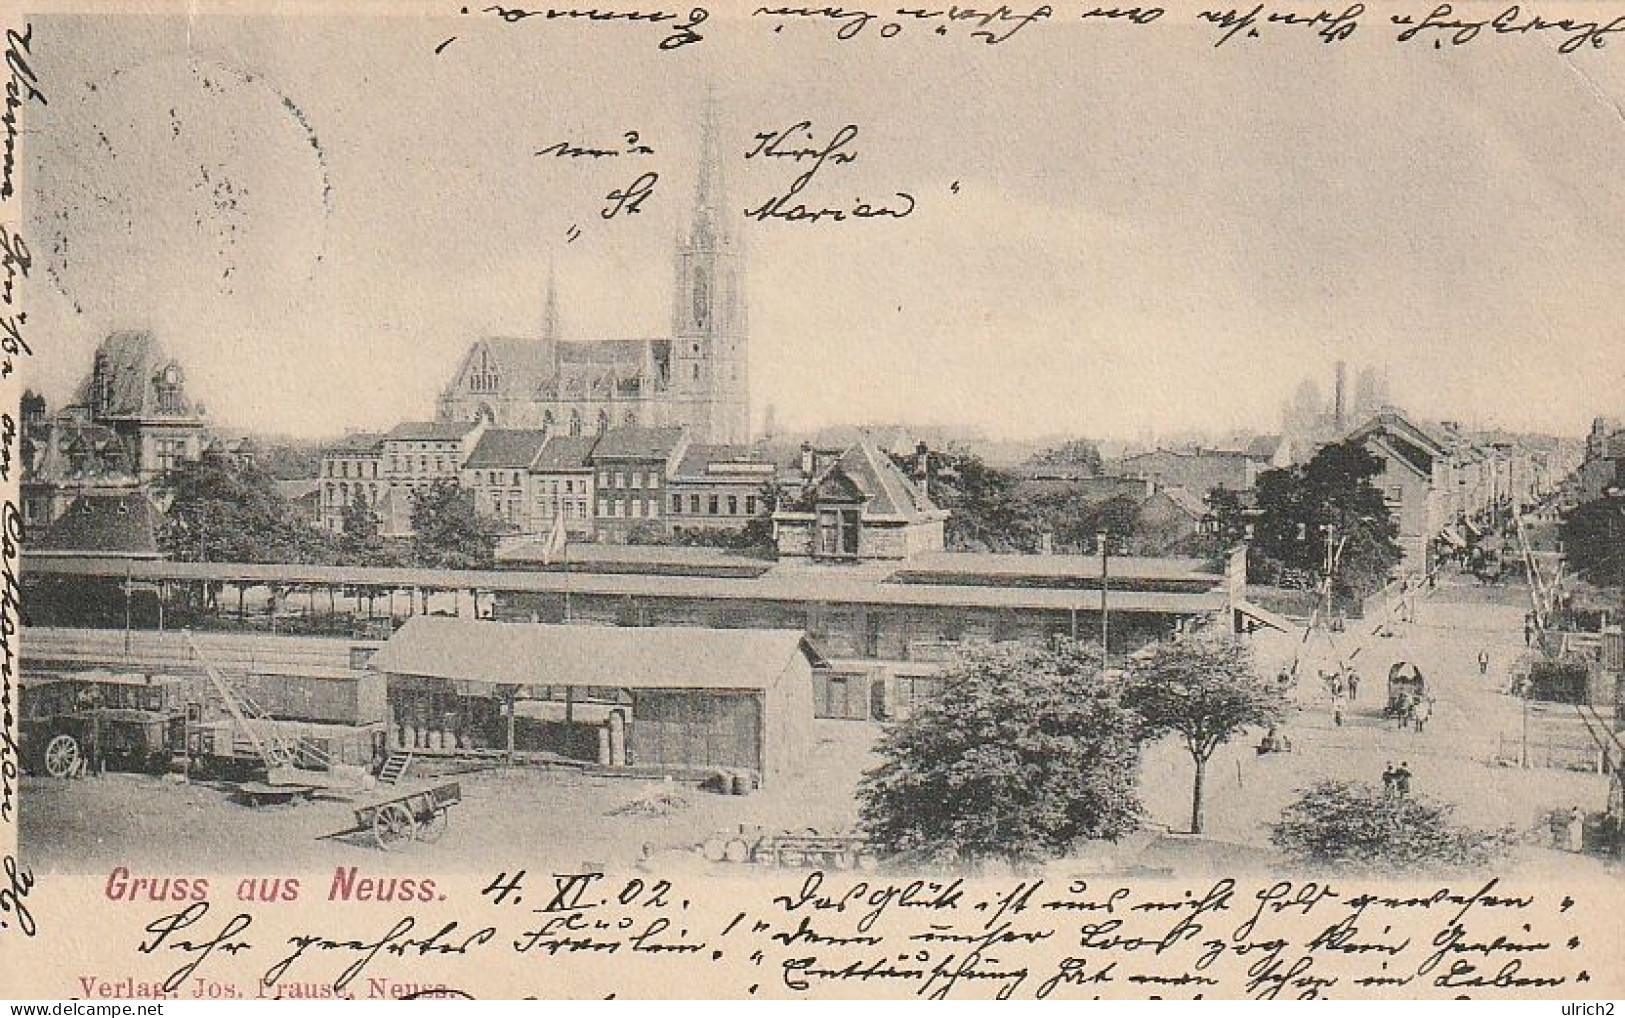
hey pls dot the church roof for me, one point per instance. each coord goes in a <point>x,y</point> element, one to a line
<point>523,363</point>
<point>607,351</point>
<point>507,447</point>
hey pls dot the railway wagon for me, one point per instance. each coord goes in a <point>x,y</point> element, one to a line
<point>338,697</point>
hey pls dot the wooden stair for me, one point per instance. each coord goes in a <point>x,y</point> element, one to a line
<point>394,768</point>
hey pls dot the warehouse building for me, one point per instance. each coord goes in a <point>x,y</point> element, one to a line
<point>682,701</point>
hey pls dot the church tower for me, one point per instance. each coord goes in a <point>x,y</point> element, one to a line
<point>710,379</point>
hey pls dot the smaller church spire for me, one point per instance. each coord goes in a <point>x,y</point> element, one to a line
<point>550,313</point>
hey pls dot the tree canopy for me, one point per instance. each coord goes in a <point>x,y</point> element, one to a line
<point>1594,541</point>
<point>447,533</point>
<point>1334,489</point>
<point>1203,689</point>
<point>225,510</point>
<point>1357,826</point>
<point>1024,751</point>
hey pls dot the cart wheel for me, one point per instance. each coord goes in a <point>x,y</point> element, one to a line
<point>393,827</point>
<point>61,755</point>
<point>434,826</point>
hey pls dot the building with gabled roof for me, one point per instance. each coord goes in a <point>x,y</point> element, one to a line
<point>632,466</point>
<point>498,474</point>
<point>685,701</point>
<point>855,506</point>
<point>130,423</point>
<point>120,526</point>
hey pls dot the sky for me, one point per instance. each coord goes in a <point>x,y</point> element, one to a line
<point>1118,231</point>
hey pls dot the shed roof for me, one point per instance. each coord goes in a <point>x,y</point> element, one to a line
<point>634,658</point>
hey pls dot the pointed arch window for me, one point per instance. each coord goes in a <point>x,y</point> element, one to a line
<point>575,422</point>
<point>603,421</point>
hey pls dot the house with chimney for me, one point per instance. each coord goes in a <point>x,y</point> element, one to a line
<point>855,505</point>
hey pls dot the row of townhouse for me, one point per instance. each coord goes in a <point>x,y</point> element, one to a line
<point>1442,483</point>
<point>601,487</point>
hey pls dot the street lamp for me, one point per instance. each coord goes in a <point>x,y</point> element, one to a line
<point>1105,624</point>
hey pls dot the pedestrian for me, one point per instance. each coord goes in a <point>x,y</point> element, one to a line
<point>1423,711</point>
<point>1402,780</point>
<point>1354,685</point>
<point>1337,707</point>
<point>1483,662</point>
<point>1577,830</point>
<point>1388,779</point>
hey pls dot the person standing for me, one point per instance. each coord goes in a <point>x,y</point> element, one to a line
<point>1402,780</point>
<point>1388,779</point>
<point>1483,662</point>
<point>1424,710</point>
<point>1354,685</point>
<point>1577,830</point>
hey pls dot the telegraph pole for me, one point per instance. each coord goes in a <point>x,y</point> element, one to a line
<point>1105,623</point>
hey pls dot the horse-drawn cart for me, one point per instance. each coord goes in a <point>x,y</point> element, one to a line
<point>421,815</point>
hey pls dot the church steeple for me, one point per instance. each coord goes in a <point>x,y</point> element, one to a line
<point>709,363</point>
<point>550,311</point>
<point>709,229</point>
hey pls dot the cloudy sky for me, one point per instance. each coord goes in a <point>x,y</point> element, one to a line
<point>318,214</point>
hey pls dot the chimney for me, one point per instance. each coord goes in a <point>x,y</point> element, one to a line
<point>807,460</point>
<point>1339,404</point>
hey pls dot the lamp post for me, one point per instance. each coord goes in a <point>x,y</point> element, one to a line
<point>1105,621</point>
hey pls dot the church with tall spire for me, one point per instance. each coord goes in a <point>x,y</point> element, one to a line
<point>697,378</point>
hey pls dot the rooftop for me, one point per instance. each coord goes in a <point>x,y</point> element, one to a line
<point>628,657</point>
<point>637,443</point>
<point>515,448</point>
<point>123,526</point>
<point>429,431</point>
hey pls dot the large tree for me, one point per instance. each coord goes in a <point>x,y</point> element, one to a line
<point>1024,751</point>
<point>1297,506</point>
<point>225,510</point>
<point>1357,826</point>
<point>986,515</point>
<point>447,532</point>
<point>1594,541</point>
<point>1202,688</point>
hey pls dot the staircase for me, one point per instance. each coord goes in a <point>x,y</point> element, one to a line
<point>395,767</point>
<point>279,751</point>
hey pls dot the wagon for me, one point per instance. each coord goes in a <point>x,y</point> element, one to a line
<point>1405,686</point>
<point>394,823</point>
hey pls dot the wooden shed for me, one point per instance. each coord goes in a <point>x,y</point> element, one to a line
<point>683,700</point>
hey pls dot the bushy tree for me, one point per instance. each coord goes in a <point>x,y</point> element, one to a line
<point>1024,751</point>
<point>447,532</point>
<point>1204,689</point>
<point>362,542</point>
<point>1334,489</point>
<point>225,510</point>
<point>1354,825</point>
<point>1594,541</point>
